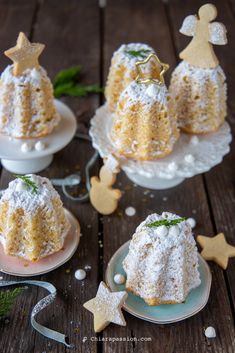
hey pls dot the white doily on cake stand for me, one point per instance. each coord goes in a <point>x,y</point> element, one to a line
<point>192,154</point>
<point>17,161</point>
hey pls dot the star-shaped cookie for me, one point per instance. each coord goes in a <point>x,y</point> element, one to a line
<point>24,55</point>
<point>106,307</point>
<point>216,249</point>
<point>141,75</point>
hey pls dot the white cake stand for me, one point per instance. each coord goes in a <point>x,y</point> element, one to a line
<point>16,161</point>
<point>192,154</point>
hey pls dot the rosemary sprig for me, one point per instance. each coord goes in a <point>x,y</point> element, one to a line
<point>142,53</point>
<point>27,179</point>
<point>7,299</point>
<point>166,222</point>
<point>66,84</point>
<point>67,75</point>
<point>78,90</point>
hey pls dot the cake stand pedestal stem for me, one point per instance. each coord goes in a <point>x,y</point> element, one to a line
<point>154,182</point>
<point>27,166</point>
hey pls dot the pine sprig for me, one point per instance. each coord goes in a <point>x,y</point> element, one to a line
<point>166,222</point>
<point>27,179</point>
<point>7,299</point>
<point>142,53</point>
<point>66,84</point>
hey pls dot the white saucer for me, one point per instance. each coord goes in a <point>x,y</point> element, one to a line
<point>192,154</point>
<point>16,161</point>
<point>161,314</point>
<point>18,267</point>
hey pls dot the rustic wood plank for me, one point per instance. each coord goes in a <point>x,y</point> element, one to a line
<point>61,26</point>
<point>73,39</point>
<point>220,180</point>
<point>127,21</point>
<point>19,323</point>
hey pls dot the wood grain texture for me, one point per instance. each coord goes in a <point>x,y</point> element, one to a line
<point>61,27</point>
<point>150,24</point>
<point>78,32</point>
<point>19,321</point>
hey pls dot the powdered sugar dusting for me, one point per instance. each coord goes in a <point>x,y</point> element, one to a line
<point>189,25</point>
<point>26,199</point>
<point>200,97</point>
<point>129,60</point>
<point>162,266</point>
<point>139,92</point>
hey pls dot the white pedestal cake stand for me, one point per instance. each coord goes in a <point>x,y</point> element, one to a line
<point>192,154</point>
<point>16,161</point>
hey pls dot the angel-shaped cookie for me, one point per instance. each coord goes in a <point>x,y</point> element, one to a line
<point>102,196</point>
<point>200,51</point>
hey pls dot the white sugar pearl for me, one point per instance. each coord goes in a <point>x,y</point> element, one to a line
<point>172,166</point>
<point>26,147</point>
<point>130,211</point>
<point>119,279</point>
<point>189,158</point>
<point>21,186</point>
<point>40,146</point>
<point>191,222</point>
<point>162,230</point>
<point>210,332</point>
<point>174,230</point>
<point>35,74</point>
<point>194,140</point>
<point>80,274</point>
<point>152,90</point>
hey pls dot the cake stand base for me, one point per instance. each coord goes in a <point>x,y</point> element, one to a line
<point>17,161</point>
<point>27,166</point>
<point>154,182</point>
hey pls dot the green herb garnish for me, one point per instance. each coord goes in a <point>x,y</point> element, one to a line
<point>66,84</point>
<point>68,75</point>
<point>166,222</point>
<point>69,89</point>
<point>7,300</point>
<point>27,179</point>
<point>142,53</point>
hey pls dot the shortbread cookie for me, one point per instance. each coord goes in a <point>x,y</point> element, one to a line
<point>216,249</point>
<point>106,307</point>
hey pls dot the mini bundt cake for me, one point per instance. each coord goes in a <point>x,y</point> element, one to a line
<point>32,219</point>
<point>26,94</point>
<point>162,262</point>
<point>123,70</point>
<point>199,97</point>
<point>198,82</point>
<point>145,126</point>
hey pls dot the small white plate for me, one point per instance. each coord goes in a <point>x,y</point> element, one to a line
<point>18,267</point>
<point>161,314</point>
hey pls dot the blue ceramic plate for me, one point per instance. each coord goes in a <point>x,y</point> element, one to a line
<point>162,314</point>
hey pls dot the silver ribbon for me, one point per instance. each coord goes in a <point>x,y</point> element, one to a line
<point>43,303</point>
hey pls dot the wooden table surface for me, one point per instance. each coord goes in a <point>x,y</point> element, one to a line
<point>80,32</point>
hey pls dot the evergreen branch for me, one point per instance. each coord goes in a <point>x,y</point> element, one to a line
<point>76,90</point>
<point>7,299</point>
<point>67,75</point>
<point>142,53</point>
<point>27,179</point>
<point>166,222</point>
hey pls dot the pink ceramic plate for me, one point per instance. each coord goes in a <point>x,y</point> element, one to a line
<point>19,267</point>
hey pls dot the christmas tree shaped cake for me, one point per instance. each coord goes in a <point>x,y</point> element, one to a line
<point>26,94</point>
<point>198,82</point>
<point>145,126</point>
